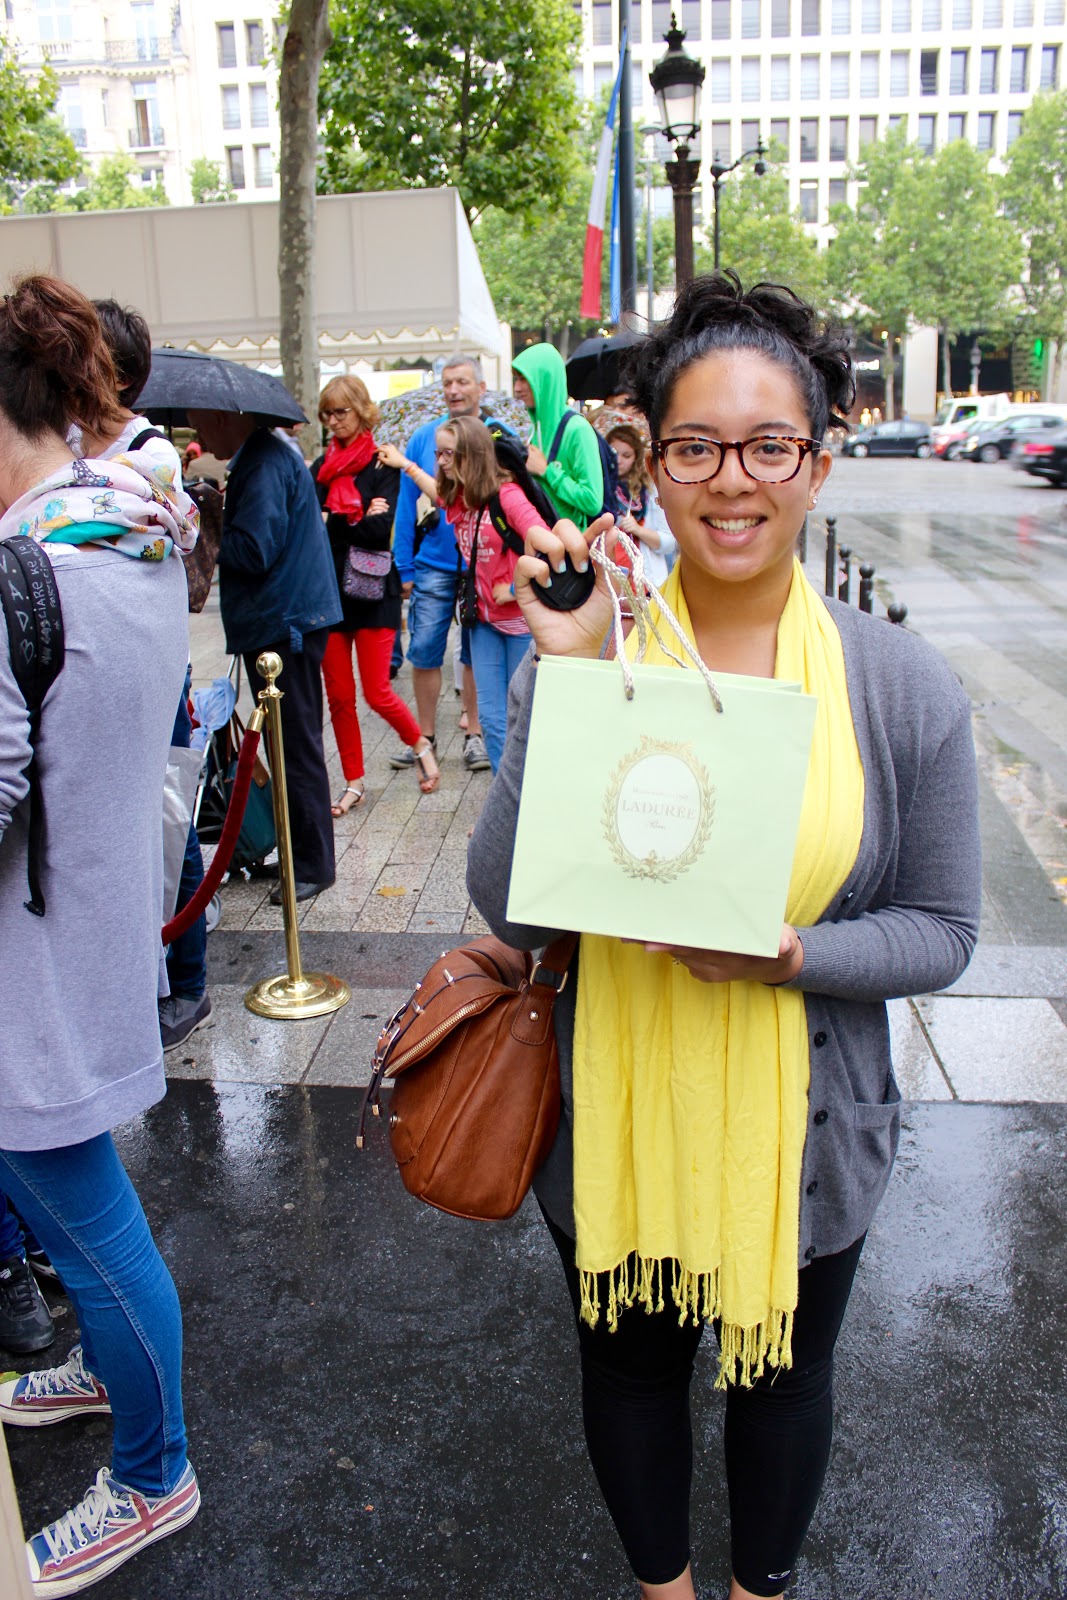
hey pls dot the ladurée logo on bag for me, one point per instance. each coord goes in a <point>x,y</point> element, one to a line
<point>658,810</point>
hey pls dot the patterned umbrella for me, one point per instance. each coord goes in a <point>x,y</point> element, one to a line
<point>403,413</point>
<point>606,418</point>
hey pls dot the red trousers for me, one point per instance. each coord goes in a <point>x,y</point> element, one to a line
<point>374,651</point>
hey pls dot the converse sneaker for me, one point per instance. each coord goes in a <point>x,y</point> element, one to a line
<point>475,755</point>
<point>39,1398</point>
<point>25,1320</point>
<point>179,1016</point>
<point>103,1530</point>
<point>405,756</point>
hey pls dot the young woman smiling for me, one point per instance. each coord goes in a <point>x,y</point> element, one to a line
<point>782,1063</point>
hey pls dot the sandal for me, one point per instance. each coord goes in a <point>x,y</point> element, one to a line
<point>348,800</point>
<point>429,771</point>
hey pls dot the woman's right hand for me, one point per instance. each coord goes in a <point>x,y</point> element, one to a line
<point>563,633</point>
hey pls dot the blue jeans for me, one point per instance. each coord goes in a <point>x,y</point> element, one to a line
<point>496,658</point>
<point>84,1210</point>
<point>11,1243</point>
<point>430,612</point>
<point>187,956</point>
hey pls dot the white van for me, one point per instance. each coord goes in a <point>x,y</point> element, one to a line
<point>950,425</point>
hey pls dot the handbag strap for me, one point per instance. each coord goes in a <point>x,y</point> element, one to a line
<point>552,968</point>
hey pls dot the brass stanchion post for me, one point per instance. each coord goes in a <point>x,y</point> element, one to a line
<point>295,993</point>
<point>14,1569</point>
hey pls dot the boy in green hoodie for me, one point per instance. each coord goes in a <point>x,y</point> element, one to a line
<point>575,479</point>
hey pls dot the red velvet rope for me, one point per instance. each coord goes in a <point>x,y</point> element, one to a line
<point>183,920</point>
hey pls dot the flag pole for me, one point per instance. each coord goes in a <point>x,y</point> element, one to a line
<point>627,234</point>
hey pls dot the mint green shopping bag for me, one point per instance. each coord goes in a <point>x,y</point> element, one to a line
<point>660,817</point>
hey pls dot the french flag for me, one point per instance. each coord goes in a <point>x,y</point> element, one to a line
<point>598,203</point>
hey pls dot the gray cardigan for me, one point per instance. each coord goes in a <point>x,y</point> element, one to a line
<point>904,923</point>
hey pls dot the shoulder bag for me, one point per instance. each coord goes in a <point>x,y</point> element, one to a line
<point>365,573</point>
<point>475,1072</point>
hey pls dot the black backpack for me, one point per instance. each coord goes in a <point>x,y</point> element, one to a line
<point>609,463</point>
<point>30,600</point>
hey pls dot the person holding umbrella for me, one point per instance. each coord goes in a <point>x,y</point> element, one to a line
<point>277,591</point>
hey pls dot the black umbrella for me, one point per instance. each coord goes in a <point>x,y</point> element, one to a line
<point>187,380</point>
<point>593,371</point>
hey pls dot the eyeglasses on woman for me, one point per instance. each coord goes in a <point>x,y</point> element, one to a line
<point>768,458</point>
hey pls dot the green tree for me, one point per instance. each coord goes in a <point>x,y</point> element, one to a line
<point>1035,198</point>
<point>479,96</point>
<point>207,183</point>
<point>760,238</point>
<point>115,186</point>
<point>533,263</point>
<point>35,148</point>
<point>968,256</point>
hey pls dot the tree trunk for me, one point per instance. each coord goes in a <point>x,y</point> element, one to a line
<point>306,42</point>
<point>889,369</point>
<point>946,364</point>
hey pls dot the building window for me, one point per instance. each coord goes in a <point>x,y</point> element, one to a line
<point>838,139</point>
<point>961,14</point>
<point>639,84</point>
<point>931,16</point>
<point>809,138</point>
<point>779,19</point>
<point>869,75</point>
<point>957,72</point>
<point>145,37</point>
<point>146,132</point>
<point>750,78</point>
<point>254,51</point>
<point>928,72</point>
<point>54,21</point>
<point>231,106</point>
<point>839,77</point>
<point>1015,127</point>
<point>1024,13</point>
<point>1050,66</point>
<point>720,18</point>
<point>263,165</point>
<point>602,29</point>
<point>871,16</point>
<point>603,77</point>
<point>809,77</point>
<point>750,19</point>
<point>749,135</point>
<point>987,83</point>
<point>1054,13</point>
<point>992,13</point>
<point>838,195</point>
<point>901,16</point>
<point>105,108</point>
<point>661,18</point>
<point>840,16</point>
<point>927,135</point>
<point>691,18</point>
<point>779,77</point>
<point>898,73</point>
<point>635,23</point>
<point>721,145</point>
<point>259,106</point>
<point>986,130</point>
<point>1020,68</point>
<point>809,202</point>
<point>235,165</point>
<point>868,131</point>
<point>957,126</point>
<point>720,80</point>
<point>226,38</point>
<point>780,133</point>
<point>150,176</point>
<point>895,122</point>
<point>809,17</point>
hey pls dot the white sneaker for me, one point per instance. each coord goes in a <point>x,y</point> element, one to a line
<point>103,1530</point>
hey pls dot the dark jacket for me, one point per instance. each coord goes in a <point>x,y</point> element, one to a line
<point>276,578</point>
<point>372,533</point>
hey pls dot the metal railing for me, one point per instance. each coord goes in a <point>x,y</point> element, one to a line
<point>138,49</point>
<point>839,561</point>
<point>146,138</point>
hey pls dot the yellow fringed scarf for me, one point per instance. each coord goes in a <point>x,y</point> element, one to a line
<point>690,1099</point>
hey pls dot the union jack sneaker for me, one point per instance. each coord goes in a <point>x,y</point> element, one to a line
<point>102,1531</point>
<point>39,1398</point>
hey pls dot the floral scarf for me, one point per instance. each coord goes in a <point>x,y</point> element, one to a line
<point>117,502</point>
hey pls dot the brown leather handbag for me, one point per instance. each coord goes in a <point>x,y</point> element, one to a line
<point>475,1073</point>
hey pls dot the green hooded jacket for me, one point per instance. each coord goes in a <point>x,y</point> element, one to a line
<point>575,480</point>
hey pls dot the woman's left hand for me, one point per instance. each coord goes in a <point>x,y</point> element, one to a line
<point>721,966</point>
<point>378,507</point>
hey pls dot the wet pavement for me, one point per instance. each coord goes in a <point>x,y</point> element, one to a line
<point>382,1401</point>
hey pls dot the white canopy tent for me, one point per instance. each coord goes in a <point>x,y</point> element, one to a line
<point>397,275</point>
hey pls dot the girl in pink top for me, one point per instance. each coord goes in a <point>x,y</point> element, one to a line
<point>477,496</point>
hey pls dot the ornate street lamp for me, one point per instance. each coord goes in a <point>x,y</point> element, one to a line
<point>718,173</point>
<point>676,81</point>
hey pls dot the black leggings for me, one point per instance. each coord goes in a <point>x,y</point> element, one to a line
<point>776,1438</point>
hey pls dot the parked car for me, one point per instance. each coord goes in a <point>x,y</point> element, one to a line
<point>949,441</point>
<point>1045,457</point>
<point>994,441</point>
<point>954,415</point>
<point>890,439</point>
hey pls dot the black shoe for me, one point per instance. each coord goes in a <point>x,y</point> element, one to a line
<point>25,1320</point>
<point>304,891</point>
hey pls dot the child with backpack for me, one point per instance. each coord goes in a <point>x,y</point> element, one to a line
<point>637,511</point>
<point>489,498</point>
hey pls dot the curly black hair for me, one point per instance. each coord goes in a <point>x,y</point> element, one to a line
<point>716,313</point>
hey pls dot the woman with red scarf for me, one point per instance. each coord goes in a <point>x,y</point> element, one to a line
<point>359,498</point>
